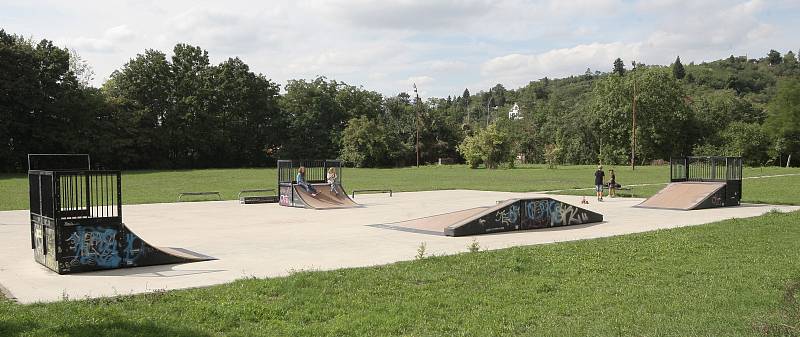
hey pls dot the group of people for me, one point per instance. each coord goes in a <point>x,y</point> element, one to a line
<point>301,180</point>
<point>599,179</point>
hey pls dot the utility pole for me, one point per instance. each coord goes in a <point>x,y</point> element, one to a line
<point>417,120</point>
<point>488,101</point>
<point>633,138</point>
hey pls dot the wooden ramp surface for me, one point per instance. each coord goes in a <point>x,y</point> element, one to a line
<point>434,224</point>
<point>683,195</point>
<point>325,199</point>
<point>184,254</point>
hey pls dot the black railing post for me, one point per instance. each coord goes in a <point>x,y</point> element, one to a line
<point>119,194</point>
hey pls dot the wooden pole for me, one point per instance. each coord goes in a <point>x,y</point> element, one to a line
<point>417,120</point>
<point>633,137</point>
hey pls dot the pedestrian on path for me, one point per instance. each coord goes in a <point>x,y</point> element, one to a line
<point>599,177</point>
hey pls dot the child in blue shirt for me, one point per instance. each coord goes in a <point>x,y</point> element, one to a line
<point>301,180</point>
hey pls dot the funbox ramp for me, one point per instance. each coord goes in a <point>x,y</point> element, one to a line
<point>687,196</point>
<point>90,247</point>
<point>325,199</point>
<point>507,215</point>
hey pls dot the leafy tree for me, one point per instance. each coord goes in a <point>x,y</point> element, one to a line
<point>662,114</point>
<point>364,143</point>
<point>783,121</point>
<point>143,90</point>
<point>677,69</point>
<point>619,67</point>
<point>488,146</point>
<point>774,57</point>
<point>82,70</point>
<point>498,95</point>
<point>41,101</point>
<point>789,58</point>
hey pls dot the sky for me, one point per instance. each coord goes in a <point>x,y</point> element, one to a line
<point>444,46</point>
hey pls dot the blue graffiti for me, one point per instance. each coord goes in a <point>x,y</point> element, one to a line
<point>95,247</point>
<point>508,217</point>
<point>543,212</point>
<point>550,213</point>
<point>133,248</point>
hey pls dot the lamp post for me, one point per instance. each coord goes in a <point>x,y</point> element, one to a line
<point>633,136</point>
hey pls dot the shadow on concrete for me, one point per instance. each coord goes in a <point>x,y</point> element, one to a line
<point>150,271</point>
<point>548,229</point>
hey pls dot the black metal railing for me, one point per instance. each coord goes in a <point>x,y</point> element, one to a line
<point>64,195</point>
<point>316,170</point>
<point>706,169</point>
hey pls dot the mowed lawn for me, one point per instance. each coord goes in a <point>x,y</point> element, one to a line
<point>733,278</point>
<point>163,186</point>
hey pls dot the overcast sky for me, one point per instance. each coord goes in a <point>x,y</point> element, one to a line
<point>442,45</point>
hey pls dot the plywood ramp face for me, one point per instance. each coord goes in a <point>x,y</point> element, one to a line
<point>435,224</point>
<point>683,195</point>
<point>325,199</point>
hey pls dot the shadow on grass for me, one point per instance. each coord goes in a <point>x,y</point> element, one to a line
<point>117,327</point>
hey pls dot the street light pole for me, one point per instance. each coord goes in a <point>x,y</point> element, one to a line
<point>417,120</point>
<point>633,137</point>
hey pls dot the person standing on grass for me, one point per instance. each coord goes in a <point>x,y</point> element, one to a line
<point>301,180</point>
<point>599,176</point>
<point>612,185</point>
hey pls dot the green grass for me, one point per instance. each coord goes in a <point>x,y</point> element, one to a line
<point>163,186</point>
<point>722,279</point>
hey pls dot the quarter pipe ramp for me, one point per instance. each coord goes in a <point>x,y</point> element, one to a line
<point>297,196</point>
<point>688,196</point>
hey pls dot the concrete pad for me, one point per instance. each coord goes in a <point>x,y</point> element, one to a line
<point>267,240</point>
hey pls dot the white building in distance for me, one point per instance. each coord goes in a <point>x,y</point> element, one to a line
<point>514,112</point>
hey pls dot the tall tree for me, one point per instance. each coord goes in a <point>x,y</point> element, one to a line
<point>789,58</point>
<point>677,69</point>
<point>783,122</point>
<point>619,67</point>
<point>774,57</point>
<point>41,101</point>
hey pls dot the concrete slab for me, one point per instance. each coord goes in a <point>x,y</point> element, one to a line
<point>267,240</point>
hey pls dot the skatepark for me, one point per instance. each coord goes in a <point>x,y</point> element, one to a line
<point>268,240</point>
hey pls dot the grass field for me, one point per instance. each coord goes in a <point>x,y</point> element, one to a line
<point>733,278</point>
<point>163,186</point>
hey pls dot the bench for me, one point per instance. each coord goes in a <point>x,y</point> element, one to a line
<point>257,199</point>
<point>182,194</point>
<point>379,191</point>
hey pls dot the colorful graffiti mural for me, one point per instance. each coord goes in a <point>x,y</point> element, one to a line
<point>522,214</point>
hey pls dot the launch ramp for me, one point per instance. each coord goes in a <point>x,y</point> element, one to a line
<point>508,215</point>
<point>700,182</point>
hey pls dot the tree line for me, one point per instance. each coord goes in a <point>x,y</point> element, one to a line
<point>181,111</point>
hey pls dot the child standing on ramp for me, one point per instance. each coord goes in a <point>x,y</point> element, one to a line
<point>301,180</point>
<point>332,179</point>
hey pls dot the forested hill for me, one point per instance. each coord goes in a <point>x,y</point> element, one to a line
<point>181,111</point>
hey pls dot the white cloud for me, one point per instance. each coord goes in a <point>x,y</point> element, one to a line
<point>409,14</point>
<point>702,35</point>
<point>386,45</point>
<point>515,70</point>
<point>109,42</point>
